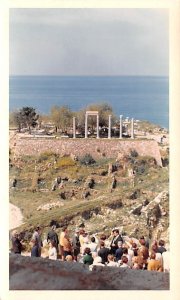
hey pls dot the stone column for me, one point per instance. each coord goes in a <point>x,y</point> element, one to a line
<point>86,116</point>
<point>74,127</point>
<point>97,126</point>
<point>120,128</point>
<point>109,128</point>
<point>132,128</point>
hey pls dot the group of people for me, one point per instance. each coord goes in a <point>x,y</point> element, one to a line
<point>114,251</point>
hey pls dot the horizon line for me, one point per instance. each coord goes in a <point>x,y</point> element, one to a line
<point>119,75</point>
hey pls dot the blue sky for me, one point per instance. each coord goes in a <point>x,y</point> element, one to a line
<point>115,41</point>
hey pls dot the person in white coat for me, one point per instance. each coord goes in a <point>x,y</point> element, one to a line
<point>97,262</point>
<point>166,261</point>
<point>52,250</point>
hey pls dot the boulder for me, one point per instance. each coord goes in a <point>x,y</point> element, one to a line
<point>62,195</point>
<point>86,214</point>
<point>86,194</point>
<point>74,157</point>
<point>33,273</point>
<point>103,172</point>
<point>145,202</point>
<point>154,210</point>
<point>160,198</point>
<point>136,210</point>
<point>49,206</point>
<point>89,183</point>
<point>134,195</point>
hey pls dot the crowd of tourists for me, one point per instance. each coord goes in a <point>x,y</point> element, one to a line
<point>93,250</point>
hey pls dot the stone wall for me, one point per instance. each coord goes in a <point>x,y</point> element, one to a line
<point>96,147</point>
<point>28,273</point>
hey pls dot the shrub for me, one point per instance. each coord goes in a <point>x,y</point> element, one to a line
<point>134,153</point>
<point>66,161</point>
<point>34,184</point>
<point>165,162</point>
<point>27,159</point>
<point>46,156</point>
<point>87,160</point>
<point>140,169</point>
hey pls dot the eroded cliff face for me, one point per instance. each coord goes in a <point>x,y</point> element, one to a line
<point>28,273</point>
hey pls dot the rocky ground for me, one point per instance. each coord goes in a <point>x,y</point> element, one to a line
<point>15,216</point>
<point>85,193</point>
<point>104,195</point>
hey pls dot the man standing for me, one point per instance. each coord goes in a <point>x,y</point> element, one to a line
<point>103,252</point>
<point>67,248</point>
<point>76,244</point>
<point>61,242</point>
<point>37,237</point>
<point>119,251</point>
<point>114,243</point>
<point>52,236</point>
<point>161,247</point>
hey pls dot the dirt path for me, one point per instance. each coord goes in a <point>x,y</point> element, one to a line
<point>15,216</point>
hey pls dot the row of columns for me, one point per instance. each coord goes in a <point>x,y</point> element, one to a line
<point>109,127</point>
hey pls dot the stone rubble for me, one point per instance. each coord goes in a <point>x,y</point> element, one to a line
<point>49,206</point>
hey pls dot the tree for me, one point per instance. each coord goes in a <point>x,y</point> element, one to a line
<point>29,117</point>
<point>104,110</point>
<point>43,120</point>
<point>25,117</point>
<point>62,117</point>
<point>15,119</point>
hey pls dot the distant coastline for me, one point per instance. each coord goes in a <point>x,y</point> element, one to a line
<point>68,76</point>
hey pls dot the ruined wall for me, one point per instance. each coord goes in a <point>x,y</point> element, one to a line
<point>79,147</point>
<point>31,273</point>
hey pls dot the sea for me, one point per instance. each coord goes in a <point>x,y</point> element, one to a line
<point>138,97</point>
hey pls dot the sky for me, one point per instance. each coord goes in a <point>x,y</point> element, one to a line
<point>94,41</point>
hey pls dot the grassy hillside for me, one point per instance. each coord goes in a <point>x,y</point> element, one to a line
<point>103,208</point>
